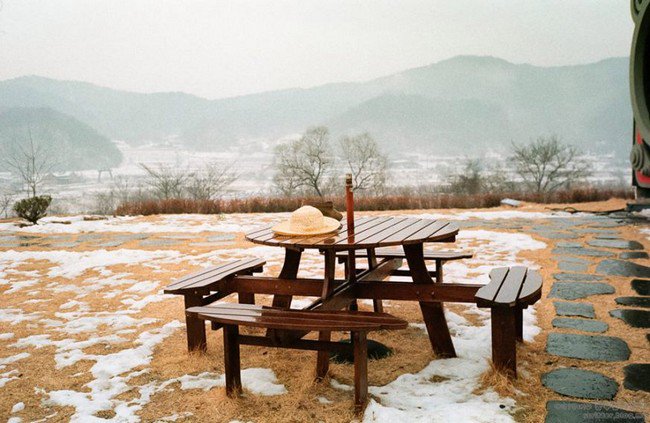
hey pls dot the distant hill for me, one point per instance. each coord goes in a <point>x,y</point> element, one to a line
<point>467,104</point>
<point>74,144</point>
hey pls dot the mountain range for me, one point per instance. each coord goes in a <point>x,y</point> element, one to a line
<point>464,105</point>
<point>68,143</point>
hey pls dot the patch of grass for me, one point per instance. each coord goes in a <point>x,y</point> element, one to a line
<point>400,201</point>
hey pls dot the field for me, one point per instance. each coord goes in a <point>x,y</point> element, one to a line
<point>87,334</point>
<point>77,192</point>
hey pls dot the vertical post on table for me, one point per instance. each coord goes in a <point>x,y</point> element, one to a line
<point>349,212</point>
<point>349,208</point>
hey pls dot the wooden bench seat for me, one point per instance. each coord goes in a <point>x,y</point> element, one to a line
<point>359,323</point>
<point>510,290</point>
<point>206,286</point>
<point>440,257</point>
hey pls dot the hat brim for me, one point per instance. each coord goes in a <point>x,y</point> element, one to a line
<point>329,225</point>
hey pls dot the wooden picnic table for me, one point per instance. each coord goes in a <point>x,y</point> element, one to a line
<point>369,283</point>
<point>378,240</point>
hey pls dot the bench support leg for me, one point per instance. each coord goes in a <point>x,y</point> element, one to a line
<point>323,359</point>
<point>195,327</point>
<point>439,274</point>
<point>519,316</point>
<point>504,339</point>
<point>231,360</point>
<point>246,298</point>
<point>360,345</point>
<point>377,305</point>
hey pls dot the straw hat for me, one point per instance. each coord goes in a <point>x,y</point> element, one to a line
<point>307,220</point>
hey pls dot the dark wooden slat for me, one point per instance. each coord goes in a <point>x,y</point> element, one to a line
<point>407,291</point>
<point>264,236</point>
<point>310,241</point>
<point>397,231</point>
<point>361,229</point>
<point>362,226</point>
<point>298,344</point>
<point>233,309</point>
<point>375,229</point>
<point>256,232</point>
<point>382,271</point>
<point>208,271</point>
<point>490,291</point>
<point>511,286</point>
<point>215,274</point>
<point>428,231</point>
<point>385,320</point>
<point>259,233</point>
<point>532,287</point>
<point>215,297</point>
<point>419,225</point>
<point>388,252</point>
<point>285,323</point>
<point>343,229</point>
<point>277,286</point>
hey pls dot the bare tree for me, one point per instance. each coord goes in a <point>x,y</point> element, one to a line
<point>469,180</point>
<point>547,164</point>
<point>302,165</point>
<point>165,181</point>
<point>6,200</point>
<point>365,162</point>
<point>31,162</point>
<point>211,181</point>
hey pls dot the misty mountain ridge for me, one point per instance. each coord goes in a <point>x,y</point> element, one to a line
<point>68,143</point>
<point>463,105</point>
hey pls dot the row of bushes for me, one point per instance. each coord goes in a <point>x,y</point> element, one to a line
<point>389,202</point>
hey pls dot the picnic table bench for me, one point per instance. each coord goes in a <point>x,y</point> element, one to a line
<point>359,323</point>
<point>208,285</point>
<point>509,291</point>
<point>386,242</point>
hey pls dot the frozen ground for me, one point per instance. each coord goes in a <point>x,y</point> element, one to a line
<point>90,313</point>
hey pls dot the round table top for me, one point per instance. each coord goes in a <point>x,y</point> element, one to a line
<point>370,232</point>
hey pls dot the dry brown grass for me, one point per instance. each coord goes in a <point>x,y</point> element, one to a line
<point>411,201</point>
<point>295,369</point>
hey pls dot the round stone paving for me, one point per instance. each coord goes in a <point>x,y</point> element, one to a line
<point>587,347</point>
<point>585,325</point>
<point>580,383</point>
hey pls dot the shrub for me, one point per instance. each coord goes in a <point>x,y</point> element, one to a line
<point>405,199</point>
<point>34,208</point>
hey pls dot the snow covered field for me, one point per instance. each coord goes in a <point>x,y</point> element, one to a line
<point>77,193</point>
<point>93,314</point>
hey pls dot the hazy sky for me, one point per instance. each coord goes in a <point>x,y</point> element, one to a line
<point>224,48</point>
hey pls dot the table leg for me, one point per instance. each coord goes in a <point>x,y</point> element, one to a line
<point>289,271</point>
<point>323,359</point>
<point>432,313</point>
